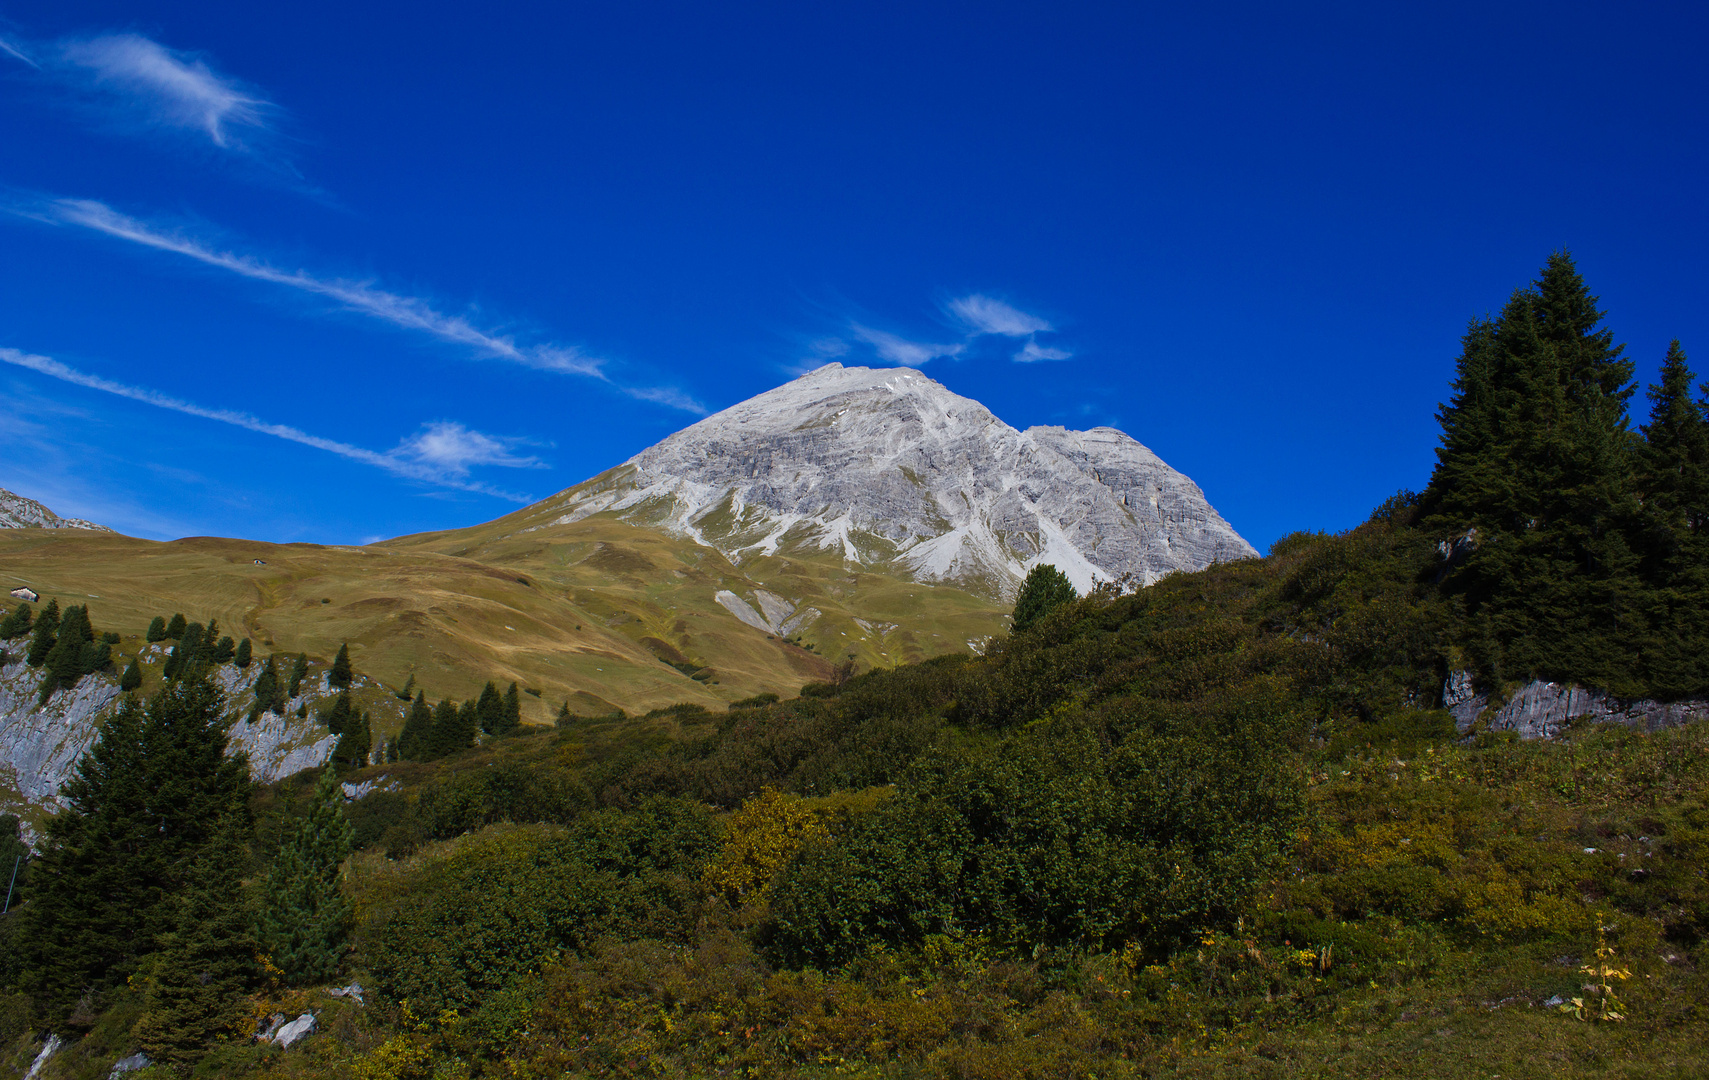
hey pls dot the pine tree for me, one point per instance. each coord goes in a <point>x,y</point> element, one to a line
<point>66,662</point>
<point>490,710</point>
<point>131,679</point>
<point>305,919</point>
<point>1675,480</point>
<point>447,731</point>
<point>206,960</point>
<point>415,741</point>
<point>42,642</point>
<point>16,624</point>
<point>339,676</point>
<point>512,711</point>
<point>156,629</point>
<point>175,628</point>
<point>565,716</point>
<point>1045,589</point>
<point>142,807</point>
<point>187,658</point>
<point>408,691</point>
<point>267,696</point>
<point>245,652</point>
<point>224,652</point>
<point>338,716</point>
<point>299,669</point>
<point>355,743</point>
<point>1537,458</point>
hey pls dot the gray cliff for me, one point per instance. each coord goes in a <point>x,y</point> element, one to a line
<point>17,512</point>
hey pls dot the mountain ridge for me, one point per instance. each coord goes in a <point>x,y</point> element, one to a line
<point>889,467</point>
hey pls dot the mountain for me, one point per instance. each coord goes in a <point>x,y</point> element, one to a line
<point>17,512</point>
<point>889,469</point>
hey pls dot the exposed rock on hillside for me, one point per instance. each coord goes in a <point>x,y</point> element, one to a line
<point>17,512</point>
<point>888,467</point>
<point>1539,710</point>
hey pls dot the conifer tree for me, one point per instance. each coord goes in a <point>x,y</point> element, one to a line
<point>339,676</point>
<point>223,652</point>
<point>299,669</point>
<point>355,742</point>
<point>565,716</point>
<point>131,679</point>
<point>74,652</point>
<point>446,732</point>
<point>338,716</point>
<point>512,711</point>
<point>408,691</point>
<point>1536,457</point>
<point>415,741</point>
<point>16,624</point>
<point>156,629</point>
<point>1675,480</point>
<point>468,727</point>
<point>245,652</point>
<point>1045,589</point>
<point>42,641</point>
<point>206,960</point>
<point>142,807</point>
<point>176,627</point>
<point>267,695</point>
<point>490,709</point>
<point>304,919</point>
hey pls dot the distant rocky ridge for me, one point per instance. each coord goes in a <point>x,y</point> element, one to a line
<point>17,512</point>
<point>888,467</point>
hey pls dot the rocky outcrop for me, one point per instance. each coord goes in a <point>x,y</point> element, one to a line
<point>17,512</point>
<point>887,467</point>
<point>1540,710</point>
<point>40,746</point>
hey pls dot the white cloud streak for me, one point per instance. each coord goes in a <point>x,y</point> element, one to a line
<point>171,88</point>
<point>899,350</point>
<point>983,315</point>
<point>1032,352</point>
<point>404,312</point>
<point>440,455</point>
<point>16,53</point>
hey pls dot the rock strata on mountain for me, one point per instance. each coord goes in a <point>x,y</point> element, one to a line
<point>17,512</point>
<point>890,468</point>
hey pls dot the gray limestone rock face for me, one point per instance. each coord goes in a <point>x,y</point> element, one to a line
<point>889,467</point>
<point>1540,710</point>
<point>17,512</point>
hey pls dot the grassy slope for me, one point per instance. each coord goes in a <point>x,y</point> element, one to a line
<point>595,613</point>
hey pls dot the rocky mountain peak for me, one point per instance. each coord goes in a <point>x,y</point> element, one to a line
<point>17,512</point>
<point>890,467</point>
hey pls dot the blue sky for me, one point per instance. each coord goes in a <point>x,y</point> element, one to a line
<point>336,272</point>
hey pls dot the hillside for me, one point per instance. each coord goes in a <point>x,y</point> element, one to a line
<point>17,512</point>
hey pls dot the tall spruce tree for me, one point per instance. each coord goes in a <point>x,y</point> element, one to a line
<point>448,734</point>
<point>339,714</point>
<point>131,679</point>
<point>512,711</point>
<point>299,669</point>
<point>45,635</point>
<point>156,629</point>
<point>339,676</point>
<point>268,692</point>
<point>490,709</point>
<point>194,985</point>
<point>1675,480</point>
<point>176,626</point>
<point>355,742</point>
<point>143,805</point>
<point>245,653</point>
<point>1536,457</point>
<point>304,918</point>
<point>415,741</point>
<point>74,654</point>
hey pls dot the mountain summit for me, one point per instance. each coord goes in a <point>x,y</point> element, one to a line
<point>891,468</point>
<point>17,512</point>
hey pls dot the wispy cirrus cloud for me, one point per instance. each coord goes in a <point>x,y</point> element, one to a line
<point>440,454</point>
<point>167,88</point>
<point>1032,352</point>
<point>405,312</point>
<point>983,315</point>
<point>899,350</point>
